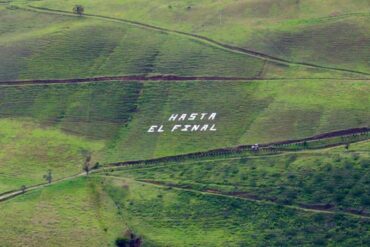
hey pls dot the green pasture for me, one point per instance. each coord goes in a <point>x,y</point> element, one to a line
<point>56,126</point>
<point>74,213</point>
<point>28,150</point>
<point>300,31</point>
<point>166,216</point>
<point>119,114</point>
<point>95,211</point>
<point>48,46</point>
<point>335,177</point>
<point>72,47</point>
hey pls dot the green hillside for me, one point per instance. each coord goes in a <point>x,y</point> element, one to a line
<point>84,213</point>
<point>120,113</point>
<point>72,47</point>
<point>300,31</point>
<point>29,150</point>
<point>48,46</point>
<point>57,126</point>
<point>75,213</point>
<point>170,217</point>
<point>335,179</point>
<point>95,85</point>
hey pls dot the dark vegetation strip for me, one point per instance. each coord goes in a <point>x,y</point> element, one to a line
<point>125,78</point>
<point>324,208</point>
<point>354,134</point>
<point>152,78</point>
<point>211,41</point>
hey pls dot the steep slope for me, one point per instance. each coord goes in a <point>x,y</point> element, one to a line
<point>248,112</point>
<point>330,33</point>
<point>38,47</point>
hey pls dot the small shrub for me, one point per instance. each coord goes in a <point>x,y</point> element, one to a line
<point>122,242</point>
<point>78,9</point>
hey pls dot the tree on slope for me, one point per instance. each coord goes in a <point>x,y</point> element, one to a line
<point>87,166</point>
<point>23,188</point>
<point>78,9</point>
<point>48,176</point>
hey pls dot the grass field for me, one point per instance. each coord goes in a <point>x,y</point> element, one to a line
<point>72,47</point>
<point>335,177</point>
<point>85,212</point>
<point>119,114</point>
<point>299,69</point>
<point>170,217</point>
<point>76,213</point>
<point>288,29</point>
<point>28,150</point>
<point>48,46</point>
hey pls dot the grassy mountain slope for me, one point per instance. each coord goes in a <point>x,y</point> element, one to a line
<point>87,212</point>
<point>120,113</point>
<point>29,149</point>
<point>72,47</point>
<point>336,178</point>
<point>171,217</point>
<point>74,213</point>
<point>313,31</point>
<point>57,126</point>
<point>48,46</point>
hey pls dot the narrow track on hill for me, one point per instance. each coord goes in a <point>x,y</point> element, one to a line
<point>204,39</point>
<point>125,78</point>
<point>10,194</point>
<point>260,201</point>
<point>144,78</point>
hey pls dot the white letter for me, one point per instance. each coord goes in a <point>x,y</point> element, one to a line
<point>186,127</point>
<point>160,129</point>
<point>175,127</point>
<point>173,117</point>
<point>212,117</point>
<point>193,116</point>
<point>203,115</point>
<point>213,128</point>
<point>152,128</point>
<point>182,118</point>
<point>204,128</point>
<point>195,128</point>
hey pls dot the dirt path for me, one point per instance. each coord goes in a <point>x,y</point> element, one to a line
<point>8,195</point>
<point>199,38</point>
<point>260,201</point>
<point>143,78</point>
<point>128,78</point>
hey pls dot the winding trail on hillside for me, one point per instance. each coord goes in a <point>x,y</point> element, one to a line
<point>204,39</point>
<point>10,194</point>
<point>243,197</point>
<point>112,166</point>
<point>163,78</point>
